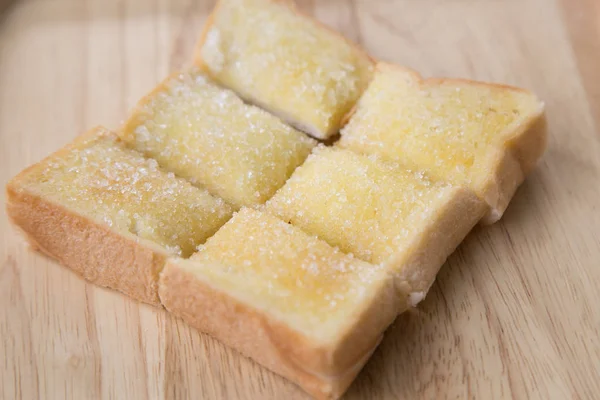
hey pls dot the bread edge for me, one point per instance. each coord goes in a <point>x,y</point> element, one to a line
<point>438,241</point>
<point>512,162</point>
<point>529,144</point>
<point>320,369</point>
<point>93,251</point>
<point>82,244</point>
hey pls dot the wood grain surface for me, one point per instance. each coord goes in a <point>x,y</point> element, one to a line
<point>515,312</point>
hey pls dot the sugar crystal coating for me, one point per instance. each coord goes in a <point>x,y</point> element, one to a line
<point>271,55</point>
<point>101,179</point>
<point>360,204</point>
<point>304,279</point>
<point>451,129</point>
<point>209,136</point>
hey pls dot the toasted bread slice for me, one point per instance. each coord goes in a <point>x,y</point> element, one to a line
<point>285,62</point>
<point>286,299</point>
<point>111,215</point>
<point>207,135</point>
<point>379,212</point>
<point>484,136</point>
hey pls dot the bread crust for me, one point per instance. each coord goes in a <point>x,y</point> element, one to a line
<point>99,254</point>
<point>529,142</point>
<point>94,251</point>
<point>438,240</point>
<point>283,115</point>
<point>501,186</point>
<point>323,370</point>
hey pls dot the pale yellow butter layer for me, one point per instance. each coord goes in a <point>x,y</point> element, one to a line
<point>380,212</point>
<point>208,135</point>
<point>306,280</point>
<point>286,299</point>
<point>98,177</point>
<point>458,131</point>
<point>288,63</point>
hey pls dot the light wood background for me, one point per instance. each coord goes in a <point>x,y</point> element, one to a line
<point>516,310</point>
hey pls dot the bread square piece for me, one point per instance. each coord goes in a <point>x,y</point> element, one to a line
<point>288,63</point>
<point>484,136</point>
<point>208,135</point>
<point>111,215</point>
<point>380,212</point>
<point>288,300</point>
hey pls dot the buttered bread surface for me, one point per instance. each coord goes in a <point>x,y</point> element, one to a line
<point>209,136</point>
<point>214,201</point>
<point>293,66</point>
<point>483,136</point>
<point>110,214</point>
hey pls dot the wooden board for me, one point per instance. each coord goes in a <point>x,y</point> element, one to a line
<point>514,313</point>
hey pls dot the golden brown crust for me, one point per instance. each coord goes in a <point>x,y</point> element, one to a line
<point>323,370</point>
<point>94,251</point>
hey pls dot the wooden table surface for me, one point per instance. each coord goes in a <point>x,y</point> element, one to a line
<point>515,311</point>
